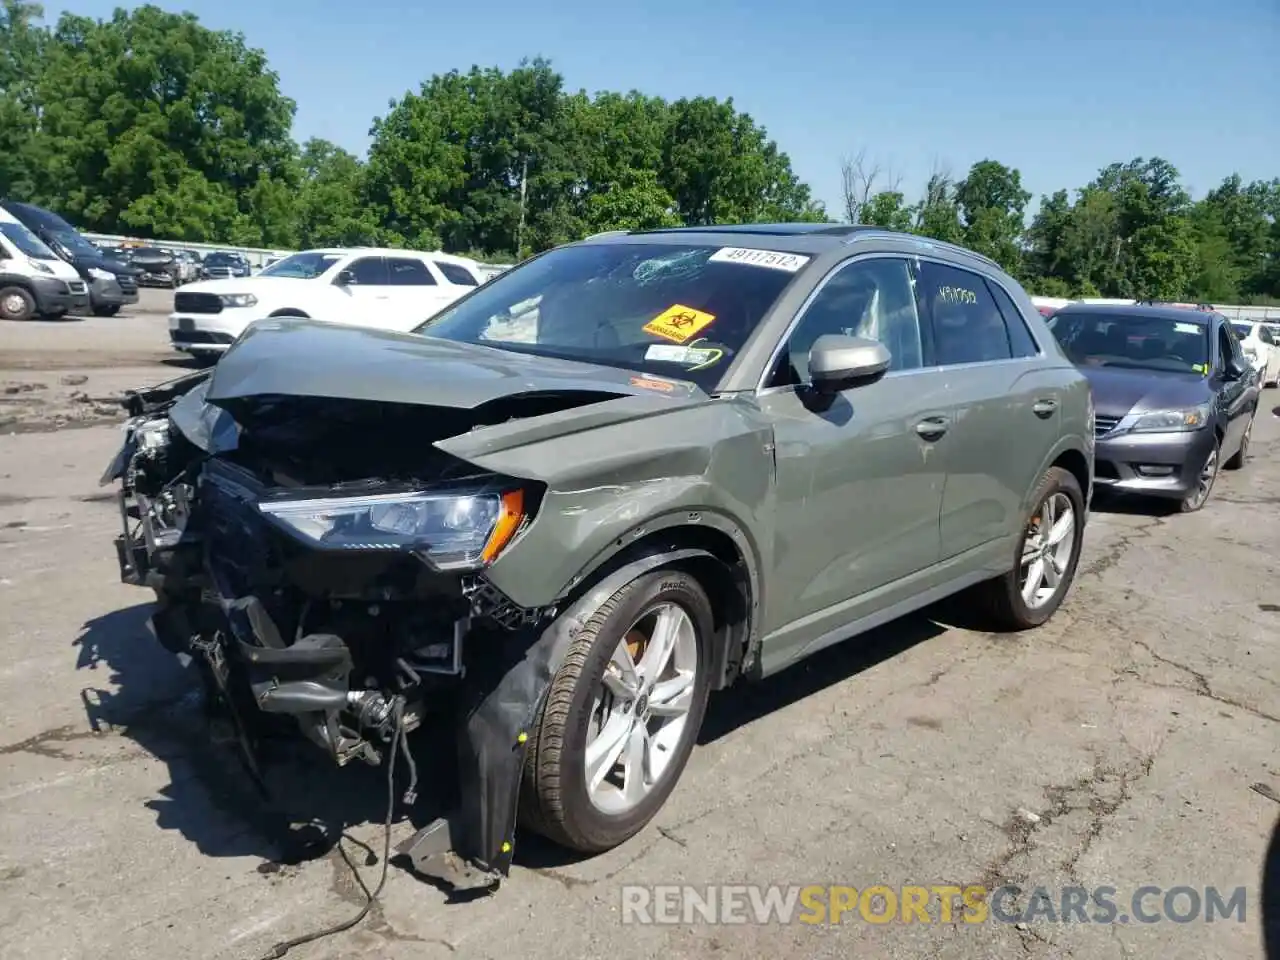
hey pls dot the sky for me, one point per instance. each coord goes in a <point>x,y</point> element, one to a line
<point>1055,90</point>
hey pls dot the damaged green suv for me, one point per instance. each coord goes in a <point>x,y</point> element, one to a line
<point>627,473</point>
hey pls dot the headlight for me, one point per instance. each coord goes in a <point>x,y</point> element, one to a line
<point>238,300</point>
<point>1172,421</point>
<point>38,266</point>
<point>97,274</point>
<point>452,530</point>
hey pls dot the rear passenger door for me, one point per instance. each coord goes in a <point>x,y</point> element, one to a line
<point>1006,410</point>
<point>415,292</point>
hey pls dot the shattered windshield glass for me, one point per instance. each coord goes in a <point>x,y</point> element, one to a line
<point>667,309</point>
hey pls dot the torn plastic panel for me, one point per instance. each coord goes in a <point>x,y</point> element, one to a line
<point>473,847</point>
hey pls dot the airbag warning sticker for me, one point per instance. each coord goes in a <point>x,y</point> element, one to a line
<point>790,262</point>
<point>679,323</point>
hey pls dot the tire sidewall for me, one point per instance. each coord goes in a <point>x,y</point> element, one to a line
<point>1056,481</point>
<point>650,590</point>
<point>27,314</point>
<point>1217,470</point>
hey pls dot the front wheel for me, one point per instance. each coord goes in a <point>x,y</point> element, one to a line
<point>1047,554</point>
<point>106,311</point>
<point>1208,476</point>
<point>619,722</point>
<point>16,304</point>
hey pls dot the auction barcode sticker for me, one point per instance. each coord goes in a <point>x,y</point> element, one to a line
<point>790,262</point>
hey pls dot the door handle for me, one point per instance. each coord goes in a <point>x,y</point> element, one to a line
<point>932,428</point>
<point>1044,408</point>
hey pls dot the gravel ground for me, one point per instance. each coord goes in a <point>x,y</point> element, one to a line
<point>1132,741</point>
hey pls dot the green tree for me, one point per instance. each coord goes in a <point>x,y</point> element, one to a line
<point>151,122</point>
<point>331,209</point>
<point>22,46</point>
<point>886,209</point>
<point>938,213</point>
<point>991,204</point>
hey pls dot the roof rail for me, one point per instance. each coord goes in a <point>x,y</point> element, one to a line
<point>878,232</point>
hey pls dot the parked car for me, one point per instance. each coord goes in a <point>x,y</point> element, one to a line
<point>35,281</point>
<point>1048,306</point>
<point>160,268</point>
<point>1260,349</point>
<point>223,266</point>
<point>189,266</point>
<point>111,281</point>
<point>710,453</point>
<point>391,289</point>
<point>1174,396</point>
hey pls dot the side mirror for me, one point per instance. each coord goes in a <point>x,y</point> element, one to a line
<point>346,279</point>
<point>1235,370</point>
<point>837,362</point>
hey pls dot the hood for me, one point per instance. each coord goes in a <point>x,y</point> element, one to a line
<point>61,269</point>
<point>259,286</point>
<point>151,259</point>
<point>85,262</point>
<point>1119,390</point>
<point>309,358</point>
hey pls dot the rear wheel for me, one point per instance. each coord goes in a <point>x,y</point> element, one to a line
<point>619,722</point>
<point>1199,494</point>
<point>1047,554</point>
<point>106,311</point>
<point>16,304</point>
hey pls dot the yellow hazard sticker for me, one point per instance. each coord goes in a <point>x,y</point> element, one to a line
<point>679,323</point>
<point>1200,367</point>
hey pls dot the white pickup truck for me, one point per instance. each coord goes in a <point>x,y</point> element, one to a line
<point>388,289</point>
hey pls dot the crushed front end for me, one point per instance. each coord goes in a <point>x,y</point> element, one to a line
<point>324,565</point>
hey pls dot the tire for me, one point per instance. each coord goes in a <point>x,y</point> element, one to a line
<point>554,798</point>
<point>1200,496</point>
<point>109,311</point>
<point>16,304</point>
<point>1002,596</point>
<point>1238,461</point>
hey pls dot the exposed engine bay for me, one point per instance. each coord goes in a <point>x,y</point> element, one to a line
<point>322,563</point>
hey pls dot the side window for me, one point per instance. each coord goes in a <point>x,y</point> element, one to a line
<point>1265,336</point>
<point>967,327</point>
<point>1228,346</point>
<point>1020,340</point>
<point>370,271</point>
<point>409,273</point>
<point>867,298</point>
<point>456,274</point>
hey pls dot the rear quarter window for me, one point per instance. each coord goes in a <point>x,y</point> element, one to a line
<point>456,274</point>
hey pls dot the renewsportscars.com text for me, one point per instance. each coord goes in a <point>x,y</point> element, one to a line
<point>939,903</point>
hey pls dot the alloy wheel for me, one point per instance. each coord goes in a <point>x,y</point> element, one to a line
<point>641,707</point>
<point>1047,547</point>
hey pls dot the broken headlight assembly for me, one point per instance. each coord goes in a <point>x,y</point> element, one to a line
<point>452,530</point>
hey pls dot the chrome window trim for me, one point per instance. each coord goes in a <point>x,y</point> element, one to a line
<point>762,390</point>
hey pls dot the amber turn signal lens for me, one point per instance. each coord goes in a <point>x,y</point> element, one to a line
<point>509,521</point>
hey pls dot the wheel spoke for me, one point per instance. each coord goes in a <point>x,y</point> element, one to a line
<point>1062,529</point>
<point>604,750</point>
<point>620,675</point>
<point>662,642</point>
<point>635,765</point>
<point>672,698</point>
<point>1051,572</point>
<point>1035,577</point>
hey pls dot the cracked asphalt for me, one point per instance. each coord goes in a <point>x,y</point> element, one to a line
<point>1132,741</point>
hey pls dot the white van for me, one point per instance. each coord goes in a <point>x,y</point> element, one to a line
<point>35,281</point>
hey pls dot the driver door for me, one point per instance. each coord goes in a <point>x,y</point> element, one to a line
<point>367,298</point>
<point>859,480</point>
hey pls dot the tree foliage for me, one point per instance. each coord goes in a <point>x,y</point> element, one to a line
<point>150,123</point>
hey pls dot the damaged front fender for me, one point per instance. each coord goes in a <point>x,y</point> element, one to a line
<point>472,848</point>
